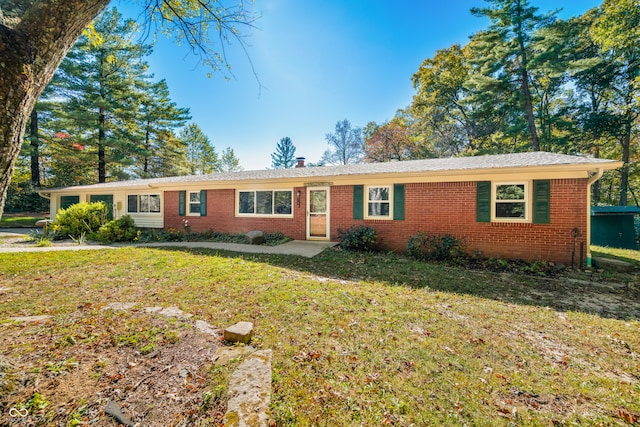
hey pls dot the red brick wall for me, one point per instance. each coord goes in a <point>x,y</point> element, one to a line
<point>439,208</point>
<point>434,208</point>
<point>221,216</point>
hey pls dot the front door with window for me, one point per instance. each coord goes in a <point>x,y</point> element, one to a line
<point>318,213</point>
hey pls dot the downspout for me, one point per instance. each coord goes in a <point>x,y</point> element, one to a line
<point>590,181</point>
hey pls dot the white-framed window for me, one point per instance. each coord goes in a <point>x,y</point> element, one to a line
<point>193,202</point>
<point>143,203</point>
<point>265,203</point>
<point>511,201</point>
<point>378,201</point>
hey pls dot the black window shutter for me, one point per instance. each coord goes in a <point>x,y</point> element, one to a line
<point>182,196</point>
<point>358,201</point>
<point>541,202</point>
<point>203,202</point>
<point>483,201</point>
<point>398,202</point>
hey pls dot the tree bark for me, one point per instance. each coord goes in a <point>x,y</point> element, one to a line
<point>624,170</point>
<point>102,162</point>
<point>34,141</point>
<point>526,90</point>
<point>29,55</point>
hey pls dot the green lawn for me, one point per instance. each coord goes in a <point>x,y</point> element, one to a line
<point>20,220</point>
<point>358,339</point>
<point>628,255</point>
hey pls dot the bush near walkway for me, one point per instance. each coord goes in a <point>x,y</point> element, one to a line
<point>80,220</point>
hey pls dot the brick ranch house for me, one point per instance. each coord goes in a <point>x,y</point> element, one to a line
<point>531,206</point>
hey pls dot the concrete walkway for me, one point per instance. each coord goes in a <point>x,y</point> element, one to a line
<point>304,248</point>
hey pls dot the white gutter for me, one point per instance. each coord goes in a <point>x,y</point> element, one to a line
<point>590,181</point>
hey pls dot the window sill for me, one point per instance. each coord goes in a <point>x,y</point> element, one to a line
<point>520,224</point>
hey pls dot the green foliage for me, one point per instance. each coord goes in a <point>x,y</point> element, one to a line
<point>173,235</point>
<point>80,219</point>
<point>37,403</point>
<point>24,199</point>
<point>21,195</point>
<point>201,155</point>
<point>359,238</point>
<point>434,248</point>
<point>284,156</point>
<point>122,229</point>
<point>229,162</point>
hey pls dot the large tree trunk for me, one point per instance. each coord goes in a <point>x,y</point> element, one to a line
<point>34,140</point>
<point>102,161</point>
<point>524,75</point>
<point>29,55</point>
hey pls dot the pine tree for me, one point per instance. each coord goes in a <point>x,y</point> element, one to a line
<point>98,80</point>
<point>157,117</point>
<point>201,155</point>
<point>284,156</point>
<point>229,162</point>
<point>504,57</point>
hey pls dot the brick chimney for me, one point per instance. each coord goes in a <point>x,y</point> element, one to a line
<point>300,162</point>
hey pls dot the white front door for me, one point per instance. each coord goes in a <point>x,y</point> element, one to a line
<point>318,213</point>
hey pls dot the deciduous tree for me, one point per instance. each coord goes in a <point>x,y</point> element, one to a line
<point>345,145</point>
<point>391,141</point>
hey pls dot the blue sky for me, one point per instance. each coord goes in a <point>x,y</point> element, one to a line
<point>318,62</point>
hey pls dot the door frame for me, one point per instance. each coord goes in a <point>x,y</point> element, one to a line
<point>327,235</point>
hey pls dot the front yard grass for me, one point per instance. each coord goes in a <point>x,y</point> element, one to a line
<point>358,339</point>
<point>20,220</point>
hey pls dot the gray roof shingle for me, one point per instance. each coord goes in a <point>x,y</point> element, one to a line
<point>515,160</point>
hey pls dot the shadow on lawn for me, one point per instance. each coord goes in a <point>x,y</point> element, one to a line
<point>605,295</point>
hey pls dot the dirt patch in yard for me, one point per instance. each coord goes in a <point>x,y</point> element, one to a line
<point>73,378</point>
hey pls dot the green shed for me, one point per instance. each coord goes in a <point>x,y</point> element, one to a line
<point>613,226</point>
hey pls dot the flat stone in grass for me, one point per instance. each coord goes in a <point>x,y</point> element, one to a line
<point>119,306</point>
<point>250,392</point>
<point>31,318</point>
<point>174,312</point>
<point>240,332</point>
<point>206,327</point>
<point>4,290</point>
<point>225,355</point>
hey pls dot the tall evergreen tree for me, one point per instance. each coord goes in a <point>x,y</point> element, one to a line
<point>229,162</point>
<point>98,78</point>
<point>157,117</point>
<point>284,156</point>
<point>504,58</point>
<point>201,155</point>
